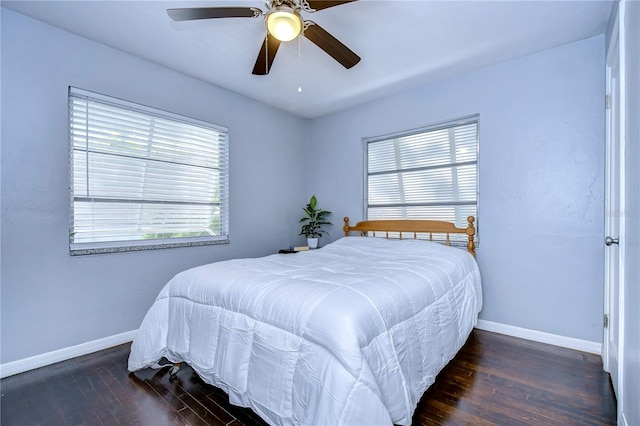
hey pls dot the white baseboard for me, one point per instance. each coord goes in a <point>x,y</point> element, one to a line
<point>31,363</point>
<point>540,336</point>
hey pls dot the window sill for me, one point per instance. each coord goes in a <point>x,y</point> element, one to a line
<point>80,251</point>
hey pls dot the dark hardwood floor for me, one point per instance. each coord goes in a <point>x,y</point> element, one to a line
<point>494,380</point>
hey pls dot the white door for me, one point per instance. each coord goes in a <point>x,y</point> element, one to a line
<point>613,209</point>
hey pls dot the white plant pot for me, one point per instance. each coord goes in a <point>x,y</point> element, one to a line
<point>312,243</point>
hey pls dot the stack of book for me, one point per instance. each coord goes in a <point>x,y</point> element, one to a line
<point>293,249</point>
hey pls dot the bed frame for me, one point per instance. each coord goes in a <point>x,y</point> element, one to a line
<point>414,227</point>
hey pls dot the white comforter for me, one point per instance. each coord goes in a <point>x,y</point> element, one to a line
<point>351,334</point>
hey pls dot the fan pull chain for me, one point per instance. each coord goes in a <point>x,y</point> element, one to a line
<point>299,64</point>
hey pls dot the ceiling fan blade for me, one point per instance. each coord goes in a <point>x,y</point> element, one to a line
<point>266,55</point>
<point>331,45</point>
<point>213,12</point>
<point>324,4</point>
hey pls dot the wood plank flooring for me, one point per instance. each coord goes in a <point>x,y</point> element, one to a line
<point>494,380</point>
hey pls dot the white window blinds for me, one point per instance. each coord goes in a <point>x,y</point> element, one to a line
<point>143,178</point>
<point>425,174</point>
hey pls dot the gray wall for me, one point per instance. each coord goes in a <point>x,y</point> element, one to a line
<point>541,178</point>
<point>51,300</point>
<point>541,183</point>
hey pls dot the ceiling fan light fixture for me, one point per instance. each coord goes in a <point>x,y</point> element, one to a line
<point>284,23</point>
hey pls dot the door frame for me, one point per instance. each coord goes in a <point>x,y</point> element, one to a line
<point>616,46</point>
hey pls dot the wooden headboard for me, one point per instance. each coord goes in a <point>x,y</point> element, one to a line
<point>415,227</point>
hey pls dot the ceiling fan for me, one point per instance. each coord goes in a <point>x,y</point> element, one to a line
<point>283,23</point>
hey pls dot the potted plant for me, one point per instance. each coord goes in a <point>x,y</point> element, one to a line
<point>313,220</point>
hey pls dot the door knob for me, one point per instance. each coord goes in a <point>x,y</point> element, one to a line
<point>608,241</point>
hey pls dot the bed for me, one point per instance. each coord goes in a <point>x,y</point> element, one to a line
<point>350,334</point>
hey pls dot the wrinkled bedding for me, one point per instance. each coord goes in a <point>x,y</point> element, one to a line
<point>351,334</point>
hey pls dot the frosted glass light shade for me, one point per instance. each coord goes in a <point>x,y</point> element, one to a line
<point>284,23</point>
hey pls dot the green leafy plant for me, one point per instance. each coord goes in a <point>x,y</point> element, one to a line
<point>314,219</point>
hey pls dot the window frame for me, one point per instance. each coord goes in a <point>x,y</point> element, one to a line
<point>116,246</point>
<point>474,118</point>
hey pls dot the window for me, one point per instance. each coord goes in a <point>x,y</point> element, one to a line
<point>143,178</point>
<point>430,173</point>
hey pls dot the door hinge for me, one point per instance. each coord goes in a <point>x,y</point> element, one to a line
<point>605,321</point>
<point>607,101</point>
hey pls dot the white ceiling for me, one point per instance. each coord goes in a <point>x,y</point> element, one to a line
<point>402,43</point>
